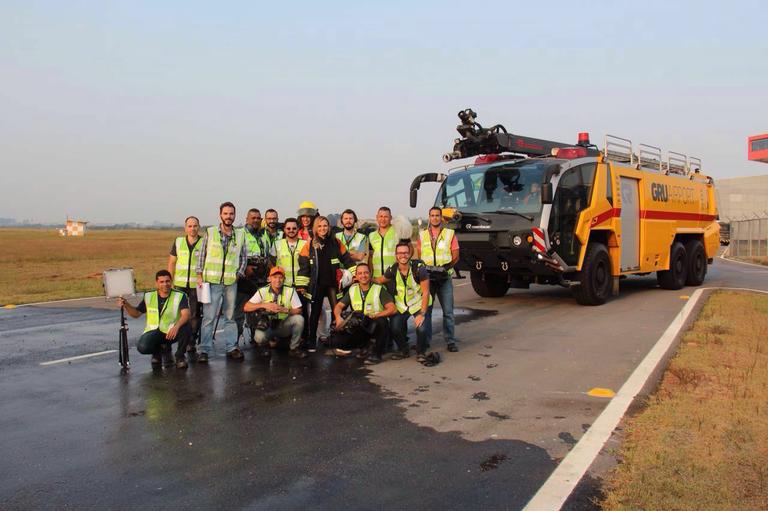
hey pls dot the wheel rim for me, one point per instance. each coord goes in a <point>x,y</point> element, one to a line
<point>601,277</point>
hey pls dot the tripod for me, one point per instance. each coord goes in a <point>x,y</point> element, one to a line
<point>122,342</point>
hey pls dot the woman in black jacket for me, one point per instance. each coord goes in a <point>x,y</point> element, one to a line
<point>321,259</point>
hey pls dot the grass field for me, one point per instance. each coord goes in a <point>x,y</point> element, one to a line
<point>702,441</point>
<point>38,265</point>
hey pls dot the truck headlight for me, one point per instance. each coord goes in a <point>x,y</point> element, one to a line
<point>517,240</point>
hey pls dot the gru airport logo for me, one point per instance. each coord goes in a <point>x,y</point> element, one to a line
<point>659,192</point>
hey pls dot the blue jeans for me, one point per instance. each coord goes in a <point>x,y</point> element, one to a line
<point>444,292</point>
<point>228,295</point>
<point>399,323</point>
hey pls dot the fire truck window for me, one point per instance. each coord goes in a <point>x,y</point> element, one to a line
<point>572,196</point>
<point>609,184</point>
<point>458,192</point>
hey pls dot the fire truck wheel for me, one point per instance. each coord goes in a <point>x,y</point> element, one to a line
<point>595,276</point>
<point>675,276</point>
<point>489,285</point>
<point>697,263</point>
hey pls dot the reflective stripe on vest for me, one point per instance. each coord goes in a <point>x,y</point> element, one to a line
<point>408,295</point>
<point>268,241</point>
<point>288,260</point>
<point>185,261</point>
<point>253,244</point>
<point>217,270</point>
<point>284,300</point>
<point>166,318</point>
<point>441,254</point>
<point>372,299</point>
<point>355,243</point>
<point>383,250</point>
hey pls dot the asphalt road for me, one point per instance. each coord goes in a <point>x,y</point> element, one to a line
<point>484,429</point>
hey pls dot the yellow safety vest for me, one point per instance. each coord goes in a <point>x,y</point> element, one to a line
<point>408,292</point>
<point>185,261</point>
<point>166,318</point>
<point>216,269</point>
<point>288,260</point>
<point>253,244</point>
<point>372,303</point>
<point>441,254</point>
<point>383,250</point>
<point>283,300</point>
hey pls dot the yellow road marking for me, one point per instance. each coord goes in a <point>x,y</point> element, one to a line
<point>599,392</point>
<point>9,306</point>
<point>684,297</point>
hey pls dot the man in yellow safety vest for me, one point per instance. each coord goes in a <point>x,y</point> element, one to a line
<point>182,262</point>
<point>222,261</point>
<point>382,243</point>
<point>278,311</point>
<point>439,249</point>
<point>167,313</point>
<point>371,305</point>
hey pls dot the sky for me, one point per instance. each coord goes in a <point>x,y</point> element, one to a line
<point>153,111</point>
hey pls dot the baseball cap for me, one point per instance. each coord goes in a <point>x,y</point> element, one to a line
<point>275,270</point>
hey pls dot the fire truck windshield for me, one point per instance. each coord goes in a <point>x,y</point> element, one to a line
<point>499,187</point>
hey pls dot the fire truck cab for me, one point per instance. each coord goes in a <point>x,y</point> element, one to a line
<point>535,211</point>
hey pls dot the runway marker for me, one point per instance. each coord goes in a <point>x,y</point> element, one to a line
<point>600,392</point>
<point>560,484</point>
<point>79,357</point>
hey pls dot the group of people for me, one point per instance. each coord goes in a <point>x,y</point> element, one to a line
<point>274,280</point>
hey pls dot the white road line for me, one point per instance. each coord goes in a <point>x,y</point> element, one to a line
<point>728,259</point>
<point>553,494</point>
<point>79,357</point>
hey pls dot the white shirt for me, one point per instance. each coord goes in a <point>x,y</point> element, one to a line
<point>295,301</point>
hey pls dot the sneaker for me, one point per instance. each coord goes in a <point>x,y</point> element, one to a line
<point>297,353</point>
<point>421,358</point>
<point>202,358</point>
<point>341,353</point>
<point>362,354</point>
<point>373,359</point>
<point>400,355</point>
<point>181,363</point>
<point>452,347</point>
<point>235,354</point>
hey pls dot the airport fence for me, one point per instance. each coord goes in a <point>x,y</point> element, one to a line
<point>749,237</point>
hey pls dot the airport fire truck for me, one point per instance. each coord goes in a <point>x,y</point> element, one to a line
<point>531,211</point>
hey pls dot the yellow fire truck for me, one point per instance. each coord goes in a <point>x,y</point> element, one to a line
<point>536,211</point>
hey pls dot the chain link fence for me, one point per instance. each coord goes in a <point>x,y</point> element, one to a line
<point>749,237</point>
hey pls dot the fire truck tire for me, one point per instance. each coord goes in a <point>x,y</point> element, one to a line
<point>697,263</point>
<point>487,286</point>
<point>595,276</point>
<point>676,275</point>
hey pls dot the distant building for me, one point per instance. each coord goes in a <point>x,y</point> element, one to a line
<point>74,228</point>
<point>742,197</point>
<point>757,148</point>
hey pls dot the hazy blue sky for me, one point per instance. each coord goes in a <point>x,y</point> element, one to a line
<point>142,111</point>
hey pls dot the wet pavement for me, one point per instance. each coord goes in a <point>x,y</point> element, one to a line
<point>323,433</point>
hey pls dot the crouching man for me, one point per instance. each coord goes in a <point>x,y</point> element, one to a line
<point>371,305</point>
<point>277,311</point>
<point>167,313</point>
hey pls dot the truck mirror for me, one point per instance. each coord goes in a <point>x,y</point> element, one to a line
<point>414,197</point>
<point>546,193</point>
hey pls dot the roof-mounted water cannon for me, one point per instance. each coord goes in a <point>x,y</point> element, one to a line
<point>477,140</point>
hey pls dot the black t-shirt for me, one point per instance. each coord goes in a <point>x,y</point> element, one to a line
<point>183,304</point>
<point>420,274</point>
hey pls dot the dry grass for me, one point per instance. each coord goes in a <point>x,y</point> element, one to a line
<point>756,260</point>
<point>38,264</point>
<point>702,441</point>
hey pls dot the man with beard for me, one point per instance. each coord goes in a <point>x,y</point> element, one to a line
<point>222,261</point>
<point>286,252</point>
<point>355,242</point>
<point>270,233</point>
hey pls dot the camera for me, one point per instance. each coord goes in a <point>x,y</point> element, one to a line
<point>260,320</point>
<point>438,273</point>
<point>260,268</point>
<point>358,321</point>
